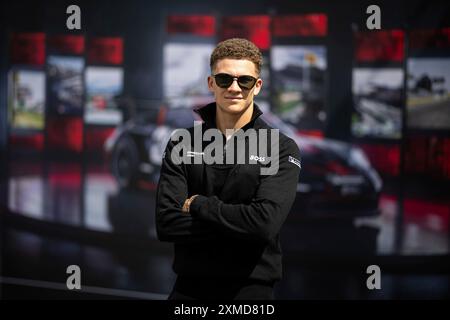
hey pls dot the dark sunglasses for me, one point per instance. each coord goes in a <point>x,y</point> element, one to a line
<point>224,81</point>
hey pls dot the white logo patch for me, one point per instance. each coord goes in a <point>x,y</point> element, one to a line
<point>295,161</point>
<point>260,159</point>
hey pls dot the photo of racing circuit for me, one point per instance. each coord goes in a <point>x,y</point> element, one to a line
<point>377,95</point>
<point>428,103</point>
<point>179,61</point>
<point>103,84</point>
<point>65,85</point>
<point>298,79</point>
<point>26,99</point>
<point>181,86</point>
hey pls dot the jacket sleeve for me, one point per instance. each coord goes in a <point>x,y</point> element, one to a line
<point>172,224</point>
<point>261,220</point>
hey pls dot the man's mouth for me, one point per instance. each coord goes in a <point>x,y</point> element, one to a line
<point>234,98</point>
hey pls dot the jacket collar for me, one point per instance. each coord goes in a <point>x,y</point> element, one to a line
<point>208,115</point>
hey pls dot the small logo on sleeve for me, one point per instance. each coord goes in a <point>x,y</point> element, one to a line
<point>295,161</point>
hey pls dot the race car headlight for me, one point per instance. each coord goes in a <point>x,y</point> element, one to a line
<point>359,159</point>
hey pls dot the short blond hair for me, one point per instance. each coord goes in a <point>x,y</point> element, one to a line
<point>237,48</point>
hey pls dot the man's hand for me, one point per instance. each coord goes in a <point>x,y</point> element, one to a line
<point>187,204</point>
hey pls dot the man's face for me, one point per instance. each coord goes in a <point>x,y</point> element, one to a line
<point>234,99</point>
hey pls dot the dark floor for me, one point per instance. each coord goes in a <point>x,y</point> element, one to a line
<point>34,266</point>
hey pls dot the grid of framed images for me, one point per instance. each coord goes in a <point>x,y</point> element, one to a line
<point>294,62</point>
<point>378,97</point>
<point>384,107</point>
<point>401,118</point>
<point>56,87</point>
<point>428,104</point>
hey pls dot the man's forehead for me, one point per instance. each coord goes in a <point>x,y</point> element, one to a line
<point>235,66</point>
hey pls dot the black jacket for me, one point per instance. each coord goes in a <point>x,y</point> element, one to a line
<point>234,233</point>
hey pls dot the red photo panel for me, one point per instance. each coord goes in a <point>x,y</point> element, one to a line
<point>204,26</point>
<point>373,46</point>
<point>107,50</point>
<point>253,28</point>
<point>65,133</point>
<point>428,156</point>
<point>384,158</point>
<point>432,38</point>
<point>64,175</point>
<point>432,215</point>
<point>306,25</point>
<point>69,44</point>
<point>33,141</point>
<point>28,48</point>
<point>96,137</point>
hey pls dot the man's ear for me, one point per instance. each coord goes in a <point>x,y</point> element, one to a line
<point>258,86</point>
<point>210,84</point>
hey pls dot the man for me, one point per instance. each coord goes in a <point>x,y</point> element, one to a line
<point>224,218</point>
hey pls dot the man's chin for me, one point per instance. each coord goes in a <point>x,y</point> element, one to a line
<point>234,108</point>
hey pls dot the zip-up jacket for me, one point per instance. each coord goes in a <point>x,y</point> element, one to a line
<point>234,231</point>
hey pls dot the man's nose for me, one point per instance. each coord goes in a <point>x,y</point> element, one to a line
<point>234,86</point>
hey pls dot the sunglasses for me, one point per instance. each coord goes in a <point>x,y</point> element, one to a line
<point>224,81</point>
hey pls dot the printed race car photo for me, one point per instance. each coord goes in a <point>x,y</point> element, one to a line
<point>336,178</point>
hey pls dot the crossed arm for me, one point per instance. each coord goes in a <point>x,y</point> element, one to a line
<point>188,218</point>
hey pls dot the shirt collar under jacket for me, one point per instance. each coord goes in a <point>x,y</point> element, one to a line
<point>208,115</point>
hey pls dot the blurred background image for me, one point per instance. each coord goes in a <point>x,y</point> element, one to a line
<point>85,116</point>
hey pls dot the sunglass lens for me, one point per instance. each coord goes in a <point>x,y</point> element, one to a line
<point>246,82</point>
<point>223,80</point>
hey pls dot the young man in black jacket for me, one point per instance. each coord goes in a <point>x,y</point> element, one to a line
<point>224,216</point>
